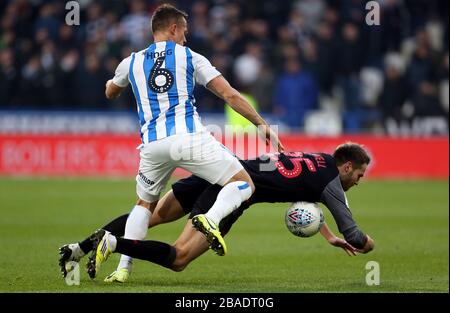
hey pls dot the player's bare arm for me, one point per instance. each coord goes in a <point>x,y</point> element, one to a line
<point>222,88</point>
<point>112,91</point>
<point>332,239</point>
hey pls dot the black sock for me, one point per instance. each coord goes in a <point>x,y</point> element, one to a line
<point>154,251</point>
<point>115,227</point>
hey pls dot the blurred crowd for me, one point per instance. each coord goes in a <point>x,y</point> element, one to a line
<point>293,57</point>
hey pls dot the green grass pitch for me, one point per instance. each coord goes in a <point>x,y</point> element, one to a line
<point>407,219</point>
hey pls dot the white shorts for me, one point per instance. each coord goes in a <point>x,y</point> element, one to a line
<point>199,153</point>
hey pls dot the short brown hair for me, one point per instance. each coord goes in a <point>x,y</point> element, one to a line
<point>164,15</point>
<point>353,152</point>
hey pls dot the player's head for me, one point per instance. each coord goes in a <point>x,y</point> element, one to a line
<point>169,23</point>
<point>352,161</point>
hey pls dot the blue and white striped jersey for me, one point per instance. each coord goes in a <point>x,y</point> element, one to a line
<point>163,78</point>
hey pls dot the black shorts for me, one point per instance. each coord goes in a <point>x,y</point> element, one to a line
<point>197,196</point>
<point>188,190</point>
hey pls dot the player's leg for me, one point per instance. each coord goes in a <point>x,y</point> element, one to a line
<point>197,196</point>
<point>237,190</point>
<point>191,244</point>
<point>136,227</point>
<point>175,204</point>
<point>154,172</point>
<point>207,199</point>
<point>216,164</point>
<point>188,247</point>
<point>180,200</point>
<point>169,209</point>
<point>76,251</point>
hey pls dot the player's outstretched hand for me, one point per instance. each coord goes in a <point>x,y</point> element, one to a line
<point>271,137</point>
<point>341,243</point>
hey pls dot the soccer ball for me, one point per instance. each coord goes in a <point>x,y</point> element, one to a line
<point>304,219</point>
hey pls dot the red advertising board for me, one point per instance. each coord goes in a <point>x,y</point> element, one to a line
<point>68,155</point>
<point>106,155</point>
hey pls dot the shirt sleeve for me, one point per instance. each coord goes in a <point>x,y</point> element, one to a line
<point>203,70</point>
<point>333,196</point>
<point>121,75</point>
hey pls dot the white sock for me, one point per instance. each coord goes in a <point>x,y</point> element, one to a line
<point>135,228</point>
<point>77,253</point>
<point>112,242</point>
<point>125,262</point>
<point>229,198</point>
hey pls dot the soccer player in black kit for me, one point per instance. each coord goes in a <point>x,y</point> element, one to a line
<point>286,177</point>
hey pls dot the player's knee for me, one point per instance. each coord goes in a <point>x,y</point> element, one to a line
<point>178,267</point>
<point>246,193</point>
<point>243,176</point>
<point>252,186</point>
<point>143,203</point>
<point>181,261</point>
<point>179,264</point>
<point>250,189</point>
<point>249,181</point>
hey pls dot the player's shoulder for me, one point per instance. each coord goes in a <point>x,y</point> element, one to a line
<point>182,46</point>
<point>196,55</point>
<point>321,156</point>
<point>188,49</point>
<point>133,54</point>
<point>124,65</point>
<point>328,157</point>
<point>183,51</point>
<point>325,163</point>
<point>330,161</point>
<point>140,52</point>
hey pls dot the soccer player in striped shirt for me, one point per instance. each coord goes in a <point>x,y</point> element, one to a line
<point>162,77</point>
